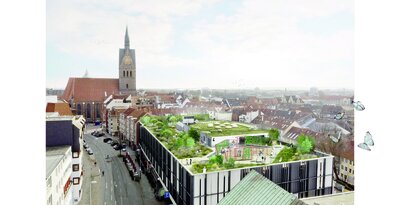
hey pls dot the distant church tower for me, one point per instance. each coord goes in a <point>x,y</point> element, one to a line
<point>127,67</point>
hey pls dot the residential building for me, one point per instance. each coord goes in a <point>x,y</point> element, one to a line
<point>291,135</point>
<point>122,101</point>
<point>128,120</point>
<point>346,163</point>
<point>113,120</point>
<point>290,99</point>
<point>58,175</point>
<point>68,131</point>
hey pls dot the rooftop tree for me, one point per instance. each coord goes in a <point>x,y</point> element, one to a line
<point>305,144</point>
<point>273,134</point>
<point>194,134</point>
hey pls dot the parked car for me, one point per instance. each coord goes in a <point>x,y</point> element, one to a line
<point>117,147</point>
<point>94,133</point>
<point>106,140</point>
<point>109,141</point>
<point>123,145</point>
<point>88,149</point>
<point>114,143</point>
<point>90,152</point>
<point>100,134</point>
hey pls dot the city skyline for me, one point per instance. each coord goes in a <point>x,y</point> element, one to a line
<point>218,44</point>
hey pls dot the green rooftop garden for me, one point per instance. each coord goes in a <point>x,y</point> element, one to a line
<point>186,144</point>
<point>220,128</point>
<point>181,144</point>
<point>303,151</point>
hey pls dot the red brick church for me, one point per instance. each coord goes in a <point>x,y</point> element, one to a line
<point>86,95</point>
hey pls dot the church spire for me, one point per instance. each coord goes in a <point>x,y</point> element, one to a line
<point>126,38</point>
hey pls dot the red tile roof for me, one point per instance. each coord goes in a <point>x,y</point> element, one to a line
<point>61,108</point>
<point>90,89</point>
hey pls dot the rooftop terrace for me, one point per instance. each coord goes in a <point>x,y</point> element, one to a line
<point>243,151</point>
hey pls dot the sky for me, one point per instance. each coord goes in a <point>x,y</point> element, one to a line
<point>211,43</point>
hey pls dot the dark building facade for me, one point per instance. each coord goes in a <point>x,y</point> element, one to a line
<point>61,132</point>
<point>306,178</point>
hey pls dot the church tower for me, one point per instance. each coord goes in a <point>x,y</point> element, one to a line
<point>127,67</point>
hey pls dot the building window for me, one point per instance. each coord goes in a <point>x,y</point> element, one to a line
<point>342,166</point>
<point>75,167</point>
<point>88,111</point>
<point>350,170</point>
<point>126,86</point>
<point>79,109</point>
<point>345,169</point>
<point>123,73</point>
<point>98,110</point>
<point>75,154</point>
<point>341,175</point>
<point>76,180</point>
<point>130,73</point>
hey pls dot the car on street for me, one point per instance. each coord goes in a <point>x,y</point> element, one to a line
<point>114,143</point>
<point>106,140</point>
<point>109,141</point>
<point>97,134</point>
<point>117,147</point>
<point>123,145</point>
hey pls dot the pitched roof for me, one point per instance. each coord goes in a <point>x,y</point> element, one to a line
<point>256,189</point>
<point>90,89</point>
<point>294,132</point>
<point>61,108</point>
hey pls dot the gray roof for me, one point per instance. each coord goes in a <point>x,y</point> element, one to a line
<point>256,189</point>
<point>345,198</point>
<point>54,155</point>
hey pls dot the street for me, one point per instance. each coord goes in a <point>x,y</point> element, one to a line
<point>118,187</point>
